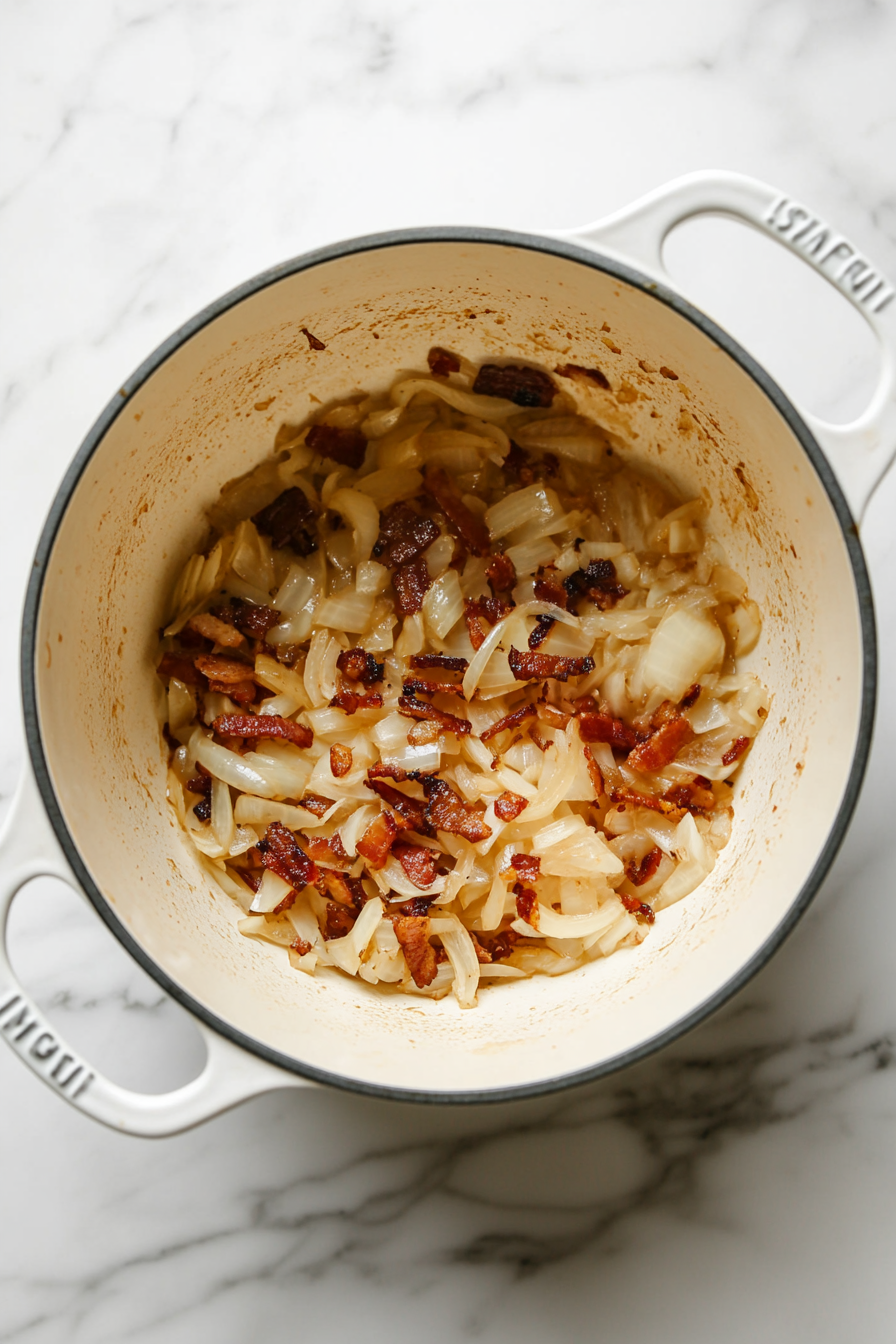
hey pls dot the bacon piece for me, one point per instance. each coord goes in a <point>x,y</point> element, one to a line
<point>640,909</point>
<point>662,746</point>
<point>201,784</point>
<point>447,811</point>
<point>598,583</point>
<point>515,382</point>
<point>419,709</point>
<point>376,842</point>
<point>253,726</point>
<point>483,956</point>
<point>359,665</point>
<point>736,750</point>
<point>411,810</point>
<point>255,620</point>
<point>508,806</point>
<point>543,627</point>
<point>340,760</point>
<point>442,362</point>
<point>576,371</point>
<point>595,726</point>
<point>350,703</point>
<point>325,849</point>
<point>492,609</point>
<point>342,888</point>
<point>512,720</point>
<point>594,771</point>
<point>499,945</point>
<point>345,446</point>
<point>404,534</point>
<point>225,671</point>
<point>693,797</point>
<point>501,573</point>
<point>218,631</point>
<point>385,770</point>
<point>422,733</point>
<point>340,920</point>
<point>418,863</point>
<point>518,464</point>
<point>281,853</point>
<point>555,718</point>
<point>417,905</point>
<point>420,686</point>
<point>313,342</point>
<point>184,669</point>
<point>203,809</point>
<point>526,904</point>
<point>412,932</point>
<point>691,696</point>
<point>465,524</point>
<point>529,664</point>
<point>550,590</point>
<point>243,692</point>
<point>411,582</point>
<point>313,802</point>
<point>422,661</point>
<point>639,873</point>
<point>526,866</point>
<point>289,521</point>
<point>624,795</point>
<point>300,946</point>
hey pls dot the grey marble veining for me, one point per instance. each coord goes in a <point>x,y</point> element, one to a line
<point>736,1186</point>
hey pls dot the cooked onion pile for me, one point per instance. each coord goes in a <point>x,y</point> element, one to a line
<point>453,695</point>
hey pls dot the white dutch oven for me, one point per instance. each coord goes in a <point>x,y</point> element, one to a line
<point>203,409</point>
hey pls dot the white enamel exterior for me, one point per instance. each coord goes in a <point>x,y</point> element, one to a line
<point>207,414</point>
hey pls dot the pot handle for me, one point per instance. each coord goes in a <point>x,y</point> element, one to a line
<point>28,849</point>
<point>860,452</point>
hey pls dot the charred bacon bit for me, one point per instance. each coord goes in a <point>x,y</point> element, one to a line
<point>345,446</point>
<point>447,811</point>
<point>254,620</point>
<point>411,582</point>
<point>386,770</point>
<point>404,535</point>
<point>471,530</point>
<point>483,956</point>
<point>184,669</point>
<point>417,905</point>
<point>243,692</point>
<point>736,750</point>
<point>313,342</point>
<point>411,810</point>
<point>376,842</point>
<point>289,521</point>
<point>412,932</point>
<point>640,909</point>
<point>598,583</point>
<point>639,873</point>
<point>344,889</point>
<point>576,371</point>
<point>555,718</point>
<point>542,628</point>
<point>501,574</point>
<point>624,796</point>
<point>526,904</point>
<point>442,362</point>
<point>550,590</point>
<point>218,631</point>
<point>526,866</point>
<point>340,760</point>
<point>201,784</point>
<point>421,686</point>
<point>350,703</point>
<point>281,853</point>
<point>491,609</point>
<point>499,945</point>
<point>325,849</point>
<point>694,797</point>
<point>340,920</point>
<point>203,809</point>
<point>515,382</point>
<point>419,709</point>
<point>662,746</point>
<point>422,661</point>
<point>225,671</point>
<point>508,806</point>
<point>418,863</point>
<point>300,946</point>
<point>691,696</point>
<point>359,665</point>
<point>528,664</point>
<point>595,726</point>
<point>253,726</point>
<point>512,720</point>
<point>313,802</point>
<point>594,771</point>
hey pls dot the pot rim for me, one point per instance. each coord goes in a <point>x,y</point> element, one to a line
<point>654,289</point>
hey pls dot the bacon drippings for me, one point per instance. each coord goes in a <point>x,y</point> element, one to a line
<point>422,661</point>
<point>419,709</point>
<point>576,371</point>
<point>342,445</point>
<point>411,810</point>
<point>289,521</point>
<point>736,750</point>
<point>526,866</point>
<point>550,590</point>
<point>691,696</point>
<point>640,909</point>
<point>662,746</point>
<point>529,664</point>
<point>359,665</point>
<point>526,904</point>
<point>313,802</point>
<point>412,932</point>
<point>350,703</point>
<point>376,843</point>
<point>598,583</point>
<point>340,760</point>
<point>471,529</point>
<point>313,342</point>
<point>253,726</point>
<point>512,720</point>
<point>639,873</point>
<point>517,383</point>
<point>418,863</point>
<point>508,805</point>
<point>595,726</point>
<point>543,627</point>
<point>411,582</point>
<point>184,669</point>
<point>218,631</point>
<point>281,853</point>
<point>491,609</point>
<point>421,686</point>
<point>404,534</point>
<point>447,811</point>
<point>501,573</point>
<point>442,362</point>
<point>340,920</point>
<point>594,771</point>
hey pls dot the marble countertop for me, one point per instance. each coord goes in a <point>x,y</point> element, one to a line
<point>737,1185</point>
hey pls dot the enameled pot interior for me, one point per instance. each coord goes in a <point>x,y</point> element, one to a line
<point>209,412</point>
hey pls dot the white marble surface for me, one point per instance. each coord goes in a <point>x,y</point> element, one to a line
<point>738,1186</point>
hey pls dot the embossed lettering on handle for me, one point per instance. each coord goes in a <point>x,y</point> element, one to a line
<point>31,1035</point>
<point>831,252</point>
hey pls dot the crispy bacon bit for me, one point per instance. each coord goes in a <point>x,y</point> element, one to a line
<point>694,797</point>
<point>639,873</point>
<point>184,669</point>
<point>376,842</point>
<point>555,718</point>
<point>662,746</point>
<point>325,849</point>
<point>289,521</point>
<point>419,709</point>
<point>442,362</point>
<point>300,946</point>
<point>385,770</point>
<point>529,664</point>
<point>491,609</point>
<point>340,920</point>
<point>281,853</point>
<point>313,342</point>
<point>422,661</point>
<point>403,536</point>
<point>623,796</point>
<point>595,726</point>
<point>313,802</point>
<point>243,692</point>
<point>344,889</point>
<point>418,863</point>
<point>340,760</point>
<point>736,750</point>
<point>421,686</point>
<point>517,463</point>
<point>255,620</point>
<point>201,784</point>
<point>511,720</point>
<point>350,703</point>
<point>447,811</point>
<point>225,671</point>
<point>263,725</point>
<point>550,590</point>
<point>411,810</point>
<point>526,866</point>
<point>526,904</point>
<point>218,631</point>
<point>501,573</point>
<point>417,905</point>
<point>576,371</point>
<point>422,733</point>
<point>598,583</point>
<point>471,530</point>
<point>359,665</point>
<point>594,772</point>
<point>499,945</point>
<point>515,382</point>
<point>508,806</point>
<point>412,932</point>
<point>345,446</point>
<point>691,696</point>
<point>483,956</point>
<point>203,809</point>
<point>411,582</point>
<point>542,628</point>
<point>640,909</point>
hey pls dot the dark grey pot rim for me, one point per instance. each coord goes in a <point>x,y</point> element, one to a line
<point>625,273</point>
